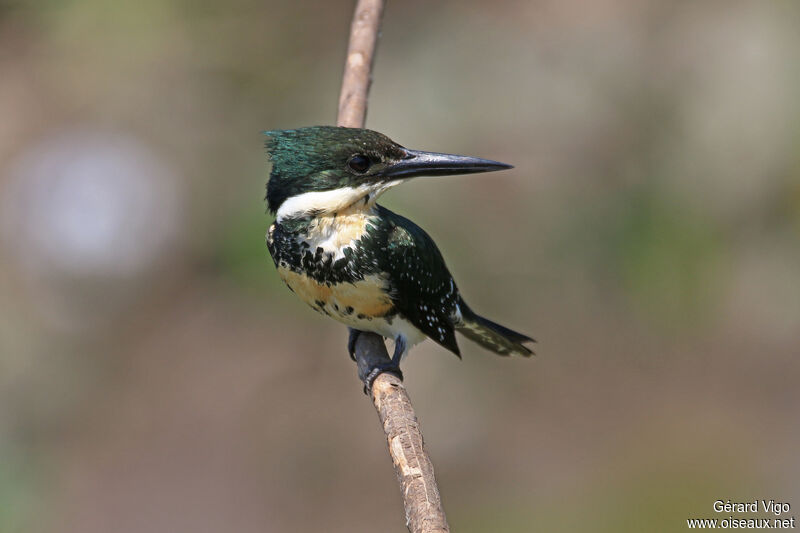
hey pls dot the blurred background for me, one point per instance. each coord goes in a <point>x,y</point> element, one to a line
<point>155,374</point>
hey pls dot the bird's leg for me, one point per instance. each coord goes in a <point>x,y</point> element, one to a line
<point>393,366</point>
<point>399,350</point>
<point>351,342</point>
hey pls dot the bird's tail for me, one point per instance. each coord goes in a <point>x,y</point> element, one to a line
<point>492,336</point>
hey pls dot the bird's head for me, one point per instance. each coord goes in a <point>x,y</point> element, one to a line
<point>324,169</point>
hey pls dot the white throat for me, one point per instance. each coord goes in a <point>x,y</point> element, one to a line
<point>340,216</point>
<point>322,203</point>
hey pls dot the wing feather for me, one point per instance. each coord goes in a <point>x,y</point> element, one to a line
<point>423,291</point>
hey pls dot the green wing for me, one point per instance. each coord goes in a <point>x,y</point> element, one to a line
<point>423,291</point>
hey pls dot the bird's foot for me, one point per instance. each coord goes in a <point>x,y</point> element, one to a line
<point>351,342</point>
<point>389,368</point>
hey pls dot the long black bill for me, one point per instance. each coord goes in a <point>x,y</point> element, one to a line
<point>418,163</point>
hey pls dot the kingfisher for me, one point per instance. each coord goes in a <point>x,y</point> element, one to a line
<point>358,262</point>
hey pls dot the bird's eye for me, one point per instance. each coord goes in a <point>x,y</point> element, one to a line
<point>360,163</point>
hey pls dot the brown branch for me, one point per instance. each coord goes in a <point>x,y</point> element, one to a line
<point>358,66</point>
<point>423,505</point>
<point>424,512</point>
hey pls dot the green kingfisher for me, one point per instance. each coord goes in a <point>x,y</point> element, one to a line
<point>354,260</point>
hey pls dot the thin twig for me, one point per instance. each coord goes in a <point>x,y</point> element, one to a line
<point>423,505</point>
<point>358,67</point>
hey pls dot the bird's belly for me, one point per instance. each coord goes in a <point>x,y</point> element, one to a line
<point>364,305</point>
<point>347,302</point>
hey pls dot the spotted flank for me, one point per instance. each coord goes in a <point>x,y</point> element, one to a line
<point>350,303</point>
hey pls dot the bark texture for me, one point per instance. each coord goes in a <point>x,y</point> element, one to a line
<point>357,76</point>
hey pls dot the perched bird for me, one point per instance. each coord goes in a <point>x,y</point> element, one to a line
<point>354,260</point>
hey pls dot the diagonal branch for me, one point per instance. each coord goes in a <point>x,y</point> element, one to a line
<point>423,505</point>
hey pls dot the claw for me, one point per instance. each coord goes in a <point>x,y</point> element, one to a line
<point>376,371</point>
<point>392,367</point>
